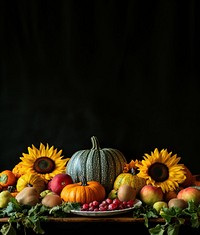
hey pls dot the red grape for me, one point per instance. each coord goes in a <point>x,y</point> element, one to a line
<point>109,200</point>
<point>107,205</point>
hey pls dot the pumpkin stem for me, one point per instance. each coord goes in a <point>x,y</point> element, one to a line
<point>83,181</point>
<point>95,143</point>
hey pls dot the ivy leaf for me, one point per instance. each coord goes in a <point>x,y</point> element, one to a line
<point>8,229</point>
<point>64,209</point>
<point>157,230</point>
<point>173,229</point>
<point>173,217</point>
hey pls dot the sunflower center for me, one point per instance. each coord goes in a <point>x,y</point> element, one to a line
<point>158,172</point>
<point>44,165</point>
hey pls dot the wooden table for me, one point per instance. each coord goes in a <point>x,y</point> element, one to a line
<point>122,224</point>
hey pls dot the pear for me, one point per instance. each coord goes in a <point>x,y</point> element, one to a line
<point>126,193</point>
<point>51,200</point>
<point>46,192</point>
<point>159,205</point>
<point>28,196</point>
<point>5,198</point>
<point>112,194</point>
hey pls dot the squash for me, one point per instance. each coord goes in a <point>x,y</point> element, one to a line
<point>83,192</point>
<point>32,180</point>
<point>96,164</point>
<point>131,179</point>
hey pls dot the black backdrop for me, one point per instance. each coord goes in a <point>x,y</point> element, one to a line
<point>124,71</point>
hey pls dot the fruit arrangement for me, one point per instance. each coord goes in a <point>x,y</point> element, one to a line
<point>99,179</point>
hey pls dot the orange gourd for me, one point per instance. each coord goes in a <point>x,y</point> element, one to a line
<point>196,180</point>
<point>7,178</point>
<point>83,192</point>
<point>171,194</point>
<point>189,178</point>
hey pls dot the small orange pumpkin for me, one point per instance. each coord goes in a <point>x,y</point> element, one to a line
<point>7,178</point>
<point>83,192</point>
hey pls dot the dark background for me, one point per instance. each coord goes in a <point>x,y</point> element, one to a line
<point>124,71</point>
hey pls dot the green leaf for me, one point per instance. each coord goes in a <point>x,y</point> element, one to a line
<point>8,229</point>
<point>173,229</point>
<point>157,230</point>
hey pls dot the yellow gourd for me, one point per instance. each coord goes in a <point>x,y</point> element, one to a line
<point>131,179</point>
<point>32,180</point>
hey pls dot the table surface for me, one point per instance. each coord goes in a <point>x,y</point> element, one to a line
<point>83,219</point>
<point>113,224</point>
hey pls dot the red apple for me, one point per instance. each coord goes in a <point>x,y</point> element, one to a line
<point>190,194</point>
<point>150,194</point>
<point>49,185</point>
<point>58,182</point>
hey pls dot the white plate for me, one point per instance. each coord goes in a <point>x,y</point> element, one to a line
<point>137,203</point>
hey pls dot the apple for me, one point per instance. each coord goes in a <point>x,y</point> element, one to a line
<point>49,185</point>
<point>178,203</point>
<point>190,194</point>
<point>58,182</point>
<point>159,205</point>
<point>150,194</point>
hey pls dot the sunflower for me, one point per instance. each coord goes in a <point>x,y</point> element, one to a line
<point>161,169</point>
<point>46,162</point>
<point>131,165</point>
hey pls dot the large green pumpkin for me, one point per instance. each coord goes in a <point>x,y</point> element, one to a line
<point>102,165</point>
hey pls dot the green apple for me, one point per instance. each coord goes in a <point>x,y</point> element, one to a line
<point>150,194</point>
<point>159,205</point>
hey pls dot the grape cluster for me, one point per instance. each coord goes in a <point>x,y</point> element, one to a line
<point>107,205</point>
